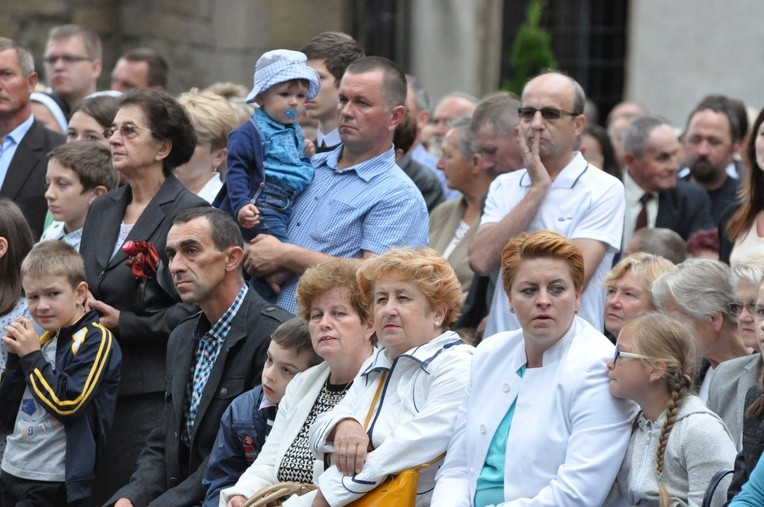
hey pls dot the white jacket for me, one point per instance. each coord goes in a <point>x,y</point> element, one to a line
<point>416,412</point>
<point>294,408</point>
<point>568,435</point>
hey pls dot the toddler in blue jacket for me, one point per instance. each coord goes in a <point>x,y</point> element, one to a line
<point>248,419</point>
<point>267,165</point>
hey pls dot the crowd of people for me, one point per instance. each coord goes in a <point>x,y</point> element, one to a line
<point>326,281</point>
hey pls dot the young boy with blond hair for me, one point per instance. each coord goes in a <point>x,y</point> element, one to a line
<point>59,390</point>
<point>78,172</point>
<point>248,419</point>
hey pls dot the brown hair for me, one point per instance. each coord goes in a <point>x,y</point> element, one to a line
<point>537,245</point>
<point>336,49</point>
<point>425,268</point>
<point>663,339</point>
<point>336,273</point>
<point>751,191</point>
<point>294,335</point>
<point>15,229</point>
<point>90,160</point>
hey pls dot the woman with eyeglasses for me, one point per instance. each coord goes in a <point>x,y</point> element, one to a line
<point>538,425</point>
<point>733,378</point>
<point>150,136</point>
<point>678,444</point>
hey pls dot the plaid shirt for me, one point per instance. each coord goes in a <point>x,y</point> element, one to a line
<point>207,349</point>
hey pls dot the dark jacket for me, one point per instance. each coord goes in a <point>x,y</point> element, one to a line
<point>424,179</point>
<point>81,392</point>
<point>753,445</point>
<point>149,311</point>
<point>685,209</point>
<point>24,183</point>
<point>240,439</point>
<point>169,473</point>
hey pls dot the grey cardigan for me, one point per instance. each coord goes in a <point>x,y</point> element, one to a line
<point>698,446</point>
<point>726,395</point>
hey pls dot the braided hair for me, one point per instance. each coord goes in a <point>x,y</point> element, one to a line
<point>666,343</point>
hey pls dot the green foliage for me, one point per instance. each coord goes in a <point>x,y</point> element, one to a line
<point>532,49</point>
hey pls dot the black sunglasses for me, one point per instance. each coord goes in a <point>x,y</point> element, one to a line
<point>548,113</point>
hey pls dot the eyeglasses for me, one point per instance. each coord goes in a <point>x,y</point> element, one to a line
<point>126,130</point>
<point>548,113</point>
<point>67,59</point>
<point>737,308</point>
<point>628,355</point>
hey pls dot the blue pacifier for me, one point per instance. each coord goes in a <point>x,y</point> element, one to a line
<point>291,113</point>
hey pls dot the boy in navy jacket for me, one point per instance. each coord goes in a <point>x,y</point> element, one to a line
<point>248,419</point>
<point>59,390</point>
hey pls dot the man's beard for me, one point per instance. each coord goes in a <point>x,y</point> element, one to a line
<point>703,171</point>
<point>435,145</point>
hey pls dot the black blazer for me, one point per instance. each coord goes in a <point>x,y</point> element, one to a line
<point>169,473</point>
<point>25,181</point>
<point>685,209</point>
<point>149,312</point>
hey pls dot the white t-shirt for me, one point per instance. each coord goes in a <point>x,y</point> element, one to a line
<point>583,203</point>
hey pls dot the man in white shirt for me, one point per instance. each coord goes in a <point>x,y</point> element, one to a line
<point>557,190</point>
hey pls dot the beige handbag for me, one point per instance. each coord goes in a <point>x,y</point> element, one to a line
<point>275,494</point>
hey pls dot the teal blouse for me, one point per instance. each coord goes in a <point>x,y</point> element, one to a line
<point>490,483</point>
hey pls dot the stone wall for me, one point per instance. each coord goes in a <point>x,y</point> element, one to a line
<point>203,40</point>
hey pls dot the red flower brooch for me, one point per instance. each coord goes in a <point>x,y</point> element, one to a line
<point>143,260</point>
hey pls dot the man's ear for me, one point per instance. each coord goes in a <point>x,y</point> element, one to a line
<point>398,113</point>
<point>234,257</point>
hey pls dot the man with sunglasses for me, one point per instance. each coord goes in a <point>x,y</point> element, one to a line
<point>558,190</point>
<point>72,63</point>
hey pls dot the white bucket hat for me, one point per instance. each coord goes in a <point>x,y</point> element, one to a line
<point>282,65</point>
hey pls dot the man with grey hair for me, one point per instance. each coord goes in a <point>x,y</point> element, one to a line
<point>72,59</point>
<point>557,191</point>
<point>699,292</point>
<point>654,195</point>
<point>25,142</point>
<point>658,241</point>
<point>493,124</point>
<point>451,107</point>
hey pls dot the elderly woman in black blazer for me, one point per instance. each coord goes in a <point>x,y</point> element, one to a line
<point>150,136</point>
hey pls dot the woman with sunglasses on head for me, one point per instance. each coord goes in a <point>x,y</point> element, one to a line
<point>677,444</point>
<point>538,425</point>
<point>150,136</point>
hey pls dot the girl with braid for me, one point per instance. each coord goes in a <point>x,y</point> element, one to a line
<point>677,444</point>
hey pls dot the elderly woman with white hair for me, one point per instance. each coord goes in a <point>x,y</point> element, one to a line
<point>735,377</point>
<point>700,293</point>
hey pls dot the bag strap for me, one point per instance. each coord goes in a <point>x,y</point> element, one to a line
<point>371,411</point>
<point>430,463</point>
<point>374,401</point>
